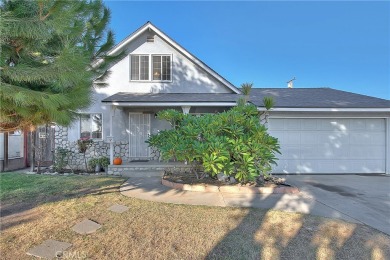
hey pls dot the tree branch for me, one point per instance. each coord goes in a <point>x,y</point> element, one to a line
<point>18,49</point>
<point>42,18</point>
<point>40,10</point>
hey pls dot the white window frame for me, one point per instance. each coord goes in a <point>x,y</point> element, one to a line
<point>89,113</point>
<point>151,67</point>
<point>139,67</point>
<point>150,79</point>
<point>12,146</point>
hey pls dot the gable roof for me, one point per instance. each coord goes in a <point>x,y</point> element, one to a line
<point>316,98</point>
<point>149,26</point>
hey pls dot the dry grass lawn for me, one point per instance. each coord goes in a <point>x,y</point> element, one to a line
<point>152,230</point>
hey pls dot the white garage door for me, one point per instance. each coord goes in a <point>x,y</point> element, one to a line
<point>330,145</point>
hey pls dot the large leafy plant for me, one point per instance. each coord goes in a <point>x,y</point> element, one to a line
<point>234,142</point>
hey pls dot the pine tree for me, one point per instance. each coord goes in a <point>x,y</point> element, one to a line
<point>47,48</point>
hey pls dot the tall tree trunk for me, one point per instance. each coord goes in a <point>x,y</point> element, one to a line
<point>6,162</point>
<point>85,162</point>
<point>25,148</point>
<point>32,150</point>
<point>39,148</point>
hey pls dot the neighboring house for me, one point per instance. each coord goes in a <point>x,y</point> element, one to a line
<point>320,130</point>
<point>16,148</point>
<point>13,153</point>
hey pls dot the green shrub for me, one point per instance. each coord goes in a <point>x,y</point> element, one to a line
<point>61,159</point>
<point>102,161</point>
<point>233,142</point>
<point>93,162</point>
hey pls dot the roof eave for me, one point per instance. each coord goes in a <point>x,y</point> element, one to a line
<point>324,109</point>
<point>170,104</point>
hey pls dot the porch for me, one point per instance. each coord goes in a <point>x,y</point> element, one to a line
<point>147,168</point>
<point>132,118</point>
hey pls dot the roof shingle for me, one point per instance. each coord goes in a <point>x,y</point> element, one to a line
<point>284,98</point>
<point>172,97</point>
<point>315,98</point>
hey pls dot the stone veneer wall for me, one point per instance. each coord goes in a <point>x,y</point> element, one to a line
<point>97,149</point>
<point>61,136</point>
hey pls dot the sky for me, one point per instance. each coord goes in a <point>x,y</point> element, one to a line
<point>341,45</point>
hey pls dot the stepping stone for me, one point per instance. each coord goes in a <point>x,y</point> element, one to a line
<point>86,227</point>
<point>118,208</point>
<point>49,249</point>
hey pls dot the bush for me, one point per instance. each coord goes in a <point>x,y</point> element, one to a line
<point>233,142</point>
<point>102,161</point>
<point>61,159</point>
<point>93,162</point>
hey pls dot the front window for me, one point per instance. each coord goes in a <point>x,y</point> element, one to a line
<point>162,67</point>
<point>139,67</point>
<point>91,126</point>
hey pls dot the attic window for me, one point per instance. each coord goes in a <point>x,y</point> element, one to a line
<point>151,67</point>
<point>161,67</point>
<point>150,39</point>
<point>139,67</point>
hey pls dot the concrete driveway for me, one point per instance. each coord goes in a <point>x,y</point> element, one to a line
<point>364,198</point>
<point>354,198</point>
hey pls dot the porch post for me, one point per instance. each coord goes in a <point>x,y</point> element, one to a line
<point>112,111</point>
<point>186,109</point>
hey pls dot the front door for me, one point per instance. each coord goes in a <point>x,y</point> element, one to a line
<point>139,125</point>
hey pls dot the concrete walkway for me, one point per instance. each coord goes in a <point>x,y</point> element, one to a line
<point>358,199</point>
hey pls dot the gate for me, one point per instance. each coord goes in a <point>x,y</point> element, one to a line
<point>44,146</point>
<point>139,125</point>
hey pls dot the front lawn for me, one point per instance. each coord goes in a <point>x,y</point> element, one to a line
<point>17,187</point>
<point>150,230</point>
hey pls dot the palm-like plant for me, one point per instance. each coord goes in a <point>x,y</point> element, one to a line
<point>246,88</point>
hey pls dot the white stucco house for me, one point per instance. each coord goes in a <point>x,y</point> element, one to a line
<point>321,130</point>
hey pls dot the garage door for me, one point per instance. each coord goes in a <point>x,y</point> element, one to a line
<point>330,145</point>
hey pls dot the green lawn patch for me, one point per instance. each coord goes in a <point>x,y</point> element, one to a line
<point>20,187</point>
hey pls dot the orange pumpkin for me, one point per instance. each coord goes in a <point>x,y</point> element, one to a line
<point>117,161</point>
